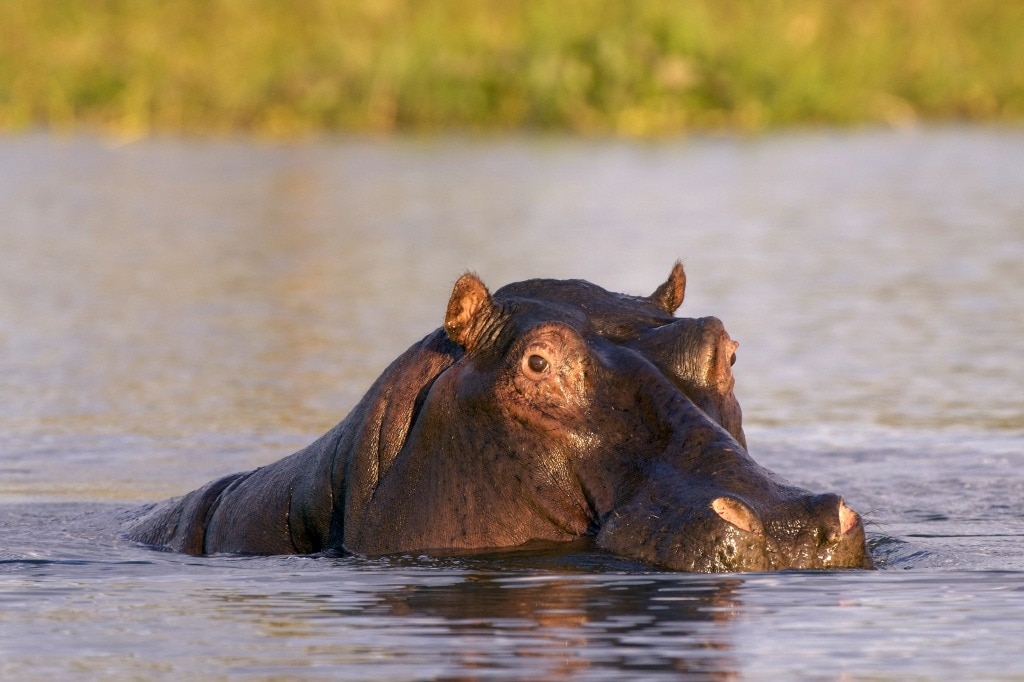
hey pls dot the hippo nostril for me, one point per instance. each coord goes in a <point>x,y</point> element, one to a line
<point>736,513</point>
<point>848,519</point>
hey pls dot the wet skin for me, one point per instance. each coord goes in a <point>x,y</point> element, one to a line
<point>547,411</point>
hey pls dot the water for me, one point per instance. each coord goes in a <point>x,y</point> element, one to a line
<point>174,310</point>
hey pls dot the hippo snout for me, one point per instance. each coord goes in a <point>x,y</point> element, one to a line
<point>811,532</point>
<point>818,531</point>
<point>726,534</point>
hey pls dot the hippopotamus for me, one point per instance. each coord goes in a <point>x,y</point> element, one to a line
<point>548,411</point>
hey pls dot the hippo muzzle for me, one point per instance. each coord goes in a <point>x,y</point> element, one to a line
<point>725,534</point>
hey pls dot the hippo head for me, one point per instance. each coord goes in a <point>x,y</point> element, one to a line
<point>567,410</point>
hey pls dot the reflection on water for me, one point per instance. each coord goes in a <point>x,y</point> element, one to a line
<point>540,626</point>
<point>669,628</point>
<point>172,311</point>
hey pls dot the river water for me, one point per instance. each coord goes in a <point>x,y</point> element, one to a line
<point>174,310</point>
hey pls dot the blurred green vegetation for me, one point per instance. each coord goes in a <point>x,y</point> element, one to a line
<point>588,66</point>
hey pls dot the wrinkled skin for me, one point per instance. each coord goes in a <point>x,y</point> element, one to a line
<point>548,411</point>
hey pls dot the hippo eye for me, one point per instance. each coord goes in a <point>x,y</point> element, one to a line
<point>538,364</point>
<point>732,359</point>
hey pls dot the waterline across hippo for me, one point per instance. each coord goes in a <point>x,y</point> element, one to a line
<point>547,411</point>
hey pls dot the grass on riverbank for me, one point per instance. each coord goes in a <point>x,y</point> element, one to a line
<point>590,66</point>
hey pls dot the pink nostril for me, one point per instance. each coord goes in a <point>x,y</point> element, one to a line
<point>848,518</point>
<point>736,513</point>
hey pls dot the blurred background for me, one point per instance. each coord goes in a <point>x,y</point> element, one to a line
<point>595,67</point>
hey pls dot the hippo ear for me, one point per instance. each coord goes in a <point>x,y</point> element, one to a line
<point>468,310</point>
<point>669,296</point>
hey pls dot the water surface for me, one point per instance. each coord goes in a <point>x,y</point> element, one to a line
<point>171,311</point>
